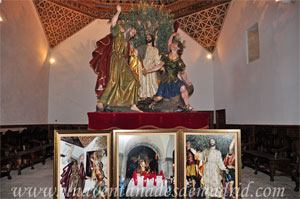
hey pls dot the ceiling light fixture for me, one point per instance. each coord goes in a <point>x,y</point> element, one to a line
<point>52,60</point>
<point>209,56</point>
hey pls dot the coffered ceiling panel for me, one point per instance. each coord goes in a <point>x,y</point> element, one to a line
<point>200,19</point>
<point>205,26</point>
<point>59,22</point>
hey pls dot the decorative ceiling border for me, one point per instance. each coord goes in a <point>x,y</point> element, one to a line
<point>104,9</point>
<point>60,22</point>
<point>183,8</point>
<point>71,4</point>
<point>205,26</point>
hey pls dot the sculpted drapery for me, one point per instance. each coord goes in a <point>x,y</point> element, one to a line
<point>213,167</point>
<point>101,62</point>
<point>122,87</point>
<point>149,83</point>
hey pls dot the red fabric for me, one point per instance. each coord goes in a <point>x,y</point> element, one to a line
<point>147,176</point>
<point>163,177</point>
<point>175,26</point>
<point>154,182</point>
<point>101,62</point>
<point>134,176</point>
<point>144,174</point>
<point>150,120</point>
<point>229,161</point>
<point>66,175</point>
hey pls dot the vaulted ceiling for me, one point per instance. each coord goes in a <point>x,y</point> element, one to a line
<point>200,19</point>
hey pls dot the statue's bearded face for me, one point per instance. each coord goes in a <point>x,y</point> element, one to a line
<point>212,142</point>
<point>188,145</point>
<point>174,47</point>
<point>132,32</point>
<point>142,164</point>
<point>149,39</point>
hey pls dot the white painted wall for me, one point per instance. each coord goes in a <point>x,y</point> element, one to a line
<point>24,70</point>
<point>265,91</point>
<point>72,81</point>
<point>200,72</point>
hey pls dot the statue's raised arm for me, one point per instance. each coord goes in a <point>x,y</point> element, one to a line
<point>115,18</point>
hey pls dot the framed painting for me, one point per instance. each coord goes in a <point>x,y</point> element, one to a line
<point>82,164</point>
<point>252,43</point>
<point>145,163</point>
<point>212,163</point>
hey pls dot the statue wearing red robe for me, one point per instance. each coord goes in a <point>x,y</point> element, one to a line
<point>101,62</point>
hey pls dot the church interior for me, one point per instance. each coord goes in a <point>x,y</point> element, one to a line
<point>241,56</point>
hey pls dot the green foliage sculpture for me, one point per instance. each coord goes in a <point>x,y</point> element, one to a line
<point>149,19</point>
<point>201,142</point>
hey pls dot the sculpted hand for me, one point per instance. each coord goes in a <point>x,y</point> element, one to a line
<point>189,83</point>
<point>119,9</point>
<point>144,72</point>
<point>193,151</point>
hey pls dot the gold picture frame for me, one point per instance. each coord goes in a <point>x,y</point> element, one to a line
<point>146,163</point>
<point>82,159</point>
<point>213,157</point>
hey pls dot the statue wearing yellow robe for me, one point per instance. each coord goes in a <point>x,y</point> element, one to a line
<point>122,87</point>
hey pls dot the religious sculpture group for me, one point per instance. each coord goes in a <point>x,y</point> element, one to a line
<point>135,75</point>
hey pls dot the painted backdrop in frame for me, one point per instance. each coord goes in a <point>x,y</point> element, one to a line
<point>145,163</point>
<point>212,163</point>
<point>82,162</point>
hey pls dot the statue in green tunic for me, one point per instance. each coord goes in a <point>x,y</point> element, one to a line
<point>171,86</point>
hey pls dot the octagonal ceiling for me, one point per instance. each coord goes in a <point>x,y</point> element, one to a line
<point>200,19</point>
